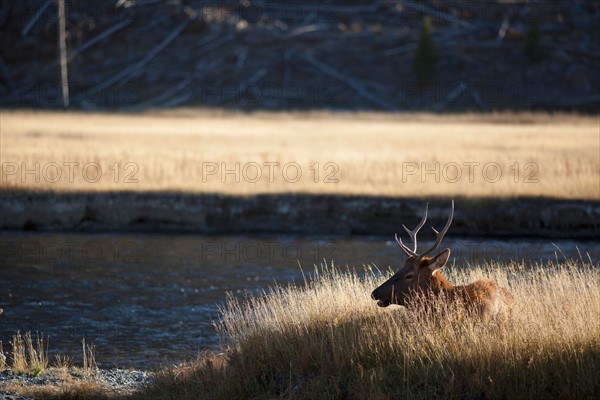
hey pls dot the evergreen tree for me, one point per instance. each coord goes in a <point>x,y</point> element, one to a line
<point>533,49</point>
<point>425,62</point>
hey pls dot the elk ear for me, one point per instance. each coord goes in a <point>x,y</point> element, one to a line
<point>439,261</point>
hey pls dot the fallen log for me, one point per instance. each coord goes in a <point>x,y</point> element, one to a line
<point>350,82</point>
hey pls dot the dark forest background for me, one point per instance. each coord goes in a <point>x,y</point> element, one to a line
<point>393,55</point>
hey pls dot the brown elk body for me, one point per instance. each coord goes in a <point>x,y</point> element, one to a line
<point>421,275</point>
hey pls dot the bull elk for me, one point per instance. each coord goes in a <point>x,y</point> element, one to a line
<point>421,275</point>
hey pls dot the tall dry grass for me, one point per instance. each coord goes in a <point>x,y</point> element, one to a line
<point>29,355</point>
<point>89,358</point>
<point>61,380</point>
<point>327,339</point>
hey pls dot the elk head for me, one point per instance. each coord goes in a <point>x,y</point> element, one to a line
<point>419,273</point>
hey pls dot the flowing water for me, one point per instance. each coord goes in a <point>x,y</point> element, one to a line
<point>148,300</point>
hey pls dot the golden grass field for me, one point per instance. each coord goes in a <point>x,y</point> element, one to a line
<point>327,339</point>
<point>497,155</point>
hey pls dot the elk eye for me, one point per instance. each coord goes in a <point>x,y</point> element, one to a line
<point>409,277</point>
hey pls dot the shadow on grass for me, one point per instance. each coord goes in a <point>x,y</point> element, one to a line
<point>334,361</point>
<point>333,365</point>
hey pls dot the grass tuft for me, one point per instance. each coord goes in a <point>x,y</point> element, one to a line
<point>62,380</point>
<point>89,359</point>
<point>3,364</point>
<point>29,356</point>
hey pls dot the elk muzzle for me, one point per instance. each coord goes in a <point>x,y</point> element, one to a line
<point>382,301</point>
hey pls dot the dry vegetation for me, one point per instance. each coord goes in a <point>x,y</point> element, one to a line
<point>536,154</point>
<point>64,386</point>
<point>327,339</point>
<point>29,356</point>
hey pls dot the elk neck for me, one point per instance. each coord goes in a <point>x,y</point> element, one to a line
<point>441,284</point>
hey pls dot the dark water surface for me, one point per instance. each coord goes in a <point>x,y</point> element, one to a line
<point>147,300</point>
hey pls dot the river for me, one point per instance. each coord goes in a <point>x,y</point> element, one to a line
<point>148,300</point>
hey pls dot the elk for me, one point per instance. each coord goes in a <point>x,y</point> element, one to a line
<point>421,275</point>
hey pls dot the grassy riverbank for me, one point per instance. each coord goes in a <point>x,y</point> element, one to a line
<point>327,339</point>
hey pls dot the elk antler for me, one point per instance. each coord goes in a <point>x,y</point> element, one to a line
<point>440,235</point>
<point>413,235</point>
